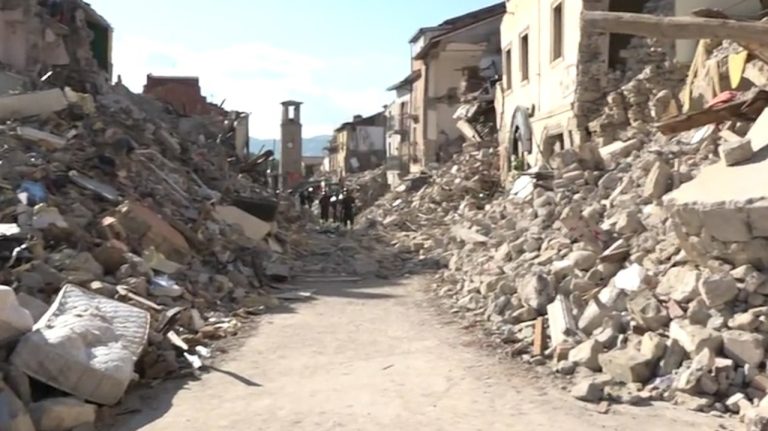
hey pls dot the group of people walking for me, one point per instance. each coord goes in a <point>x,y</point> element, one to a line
<point>336,207</point>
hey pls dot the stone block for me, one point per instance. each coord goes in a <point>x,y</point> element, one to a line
<point>658,182</point>
<point>744,347</point>
<point>648,311</point>
<point>735,152</point>
<point>694,338</point>
<point>586,355</point>
<point>680,283</point>
<point>627,366</point>
<point>718,289</point>
<point>588,391</point>
<point>61,414</point>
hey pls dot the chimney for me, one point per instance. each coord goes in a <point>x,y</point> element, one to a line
<point>357,118</point>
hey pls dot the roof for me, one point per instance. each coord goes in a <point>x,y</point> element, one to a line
<point>460,21</point>
<point>463,23</point>
<point>291,102</point>
<point>172,78</point>
<point>365,121</point>
<point>408,80</point>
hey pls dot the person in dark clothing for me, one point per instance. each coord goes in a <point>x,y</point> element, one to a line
<point>303,199</point>
<point>310,198</point>
<point>335,207</point>
<point>325,203</point>
<point>348,209</point>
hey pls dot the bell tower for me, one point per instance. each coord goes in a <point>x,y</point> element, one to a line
<point>290,145</point>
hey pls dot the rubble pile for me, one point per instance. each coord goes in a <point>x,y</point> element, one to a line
<point>591,266</point>
<point>368,186</point>
<point>129,241</point>
<point>423,209</point>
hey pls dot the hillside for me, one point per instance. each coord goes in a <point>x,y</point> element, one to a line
<point>313,146</point>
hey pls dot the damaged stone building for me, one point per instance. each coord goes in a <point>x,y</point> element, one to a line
<point>557,78</point>
<point>399,129</point>
<point>358,145</point>
<point>440,58</point>
<point>70,33</point>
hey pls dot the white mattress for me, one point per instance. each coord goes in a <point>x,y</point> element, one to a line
<point>85,345</point>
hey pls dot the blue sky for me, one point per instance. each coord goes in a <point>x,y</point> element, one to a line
<point>337,56</point>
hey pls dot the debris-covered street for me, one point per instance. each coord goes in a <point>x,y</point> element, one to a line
<point>376,355</point>
<point>557,219</point>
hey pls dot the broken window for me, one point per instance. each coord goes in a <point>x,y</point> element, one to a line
<point>557,32</point>
<point>507,69</point>
<point>617,43</point>
<point>524,57</point>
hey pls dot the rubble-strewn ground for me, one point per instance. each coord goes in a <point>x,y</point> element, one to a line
<point>373,356</point>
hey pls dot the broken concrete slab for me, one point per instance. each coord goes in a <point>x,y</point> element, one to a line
<point>562,323</point>
<point>31,104</point>
<point>253,227</point>
<point>45,138</point>
<point>588,391</point>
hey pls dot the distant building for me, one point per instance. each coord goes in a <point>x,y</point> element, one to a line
<point>358,145</point>
<point>182,93</point>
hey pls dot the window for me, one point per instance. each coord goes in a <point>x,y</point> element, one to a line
<point>524,57</point>
<point>507,65</point>
<point>557,32</point>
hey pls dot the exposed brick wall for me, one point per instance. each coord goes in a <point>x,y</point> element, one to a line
<point>181,93</point>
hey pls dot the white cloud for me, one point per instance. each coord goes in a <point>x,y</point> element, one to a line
<point>252,77</point>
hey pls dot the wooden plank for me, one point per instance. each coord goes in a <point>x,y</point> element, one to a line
<point>539,337</point>
<point>748,109</point>
<point>675,27</point>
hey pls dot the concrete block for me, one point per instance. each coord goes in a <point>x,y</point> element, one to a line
<point>31,104</point>
<point>562,323</point>
<point>619,150</point>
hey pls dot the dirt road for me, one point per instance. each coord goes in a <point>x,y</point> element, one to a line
<point>375,357</point>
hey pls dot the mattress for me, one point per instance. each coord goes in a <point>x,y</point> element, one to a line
<point>85,345</point>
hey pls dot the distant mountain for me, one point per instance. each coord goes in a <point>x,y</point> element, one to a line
<point>310,146</point>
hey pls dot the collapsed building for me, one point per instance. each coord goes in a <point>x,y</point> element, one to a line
<point>636,260</point>
<point>564,85</point>
<point>357,145</point>
<point>444,58</point>
<point>132,235</point>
